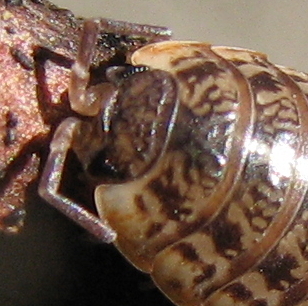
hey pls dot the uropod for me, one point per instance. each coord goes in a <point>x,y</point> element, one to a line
<point>199,155</point>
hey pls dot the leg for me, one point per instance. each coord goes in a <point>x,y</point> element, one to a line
<point>51,179</point>
<point>87,101</point>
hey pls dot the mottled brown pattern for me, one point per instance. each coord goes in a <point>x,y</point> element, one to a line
<point>201,73</point>
<point>194,166</point>
<point>203,159</point>
<point>234,245</point>
<point>233,249</point>
<point>139,132</point>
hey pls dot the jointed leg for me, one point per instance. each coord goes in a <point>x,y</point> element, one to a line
<point>88,100</point>
<point>84,100</point>
<point>51,179</point>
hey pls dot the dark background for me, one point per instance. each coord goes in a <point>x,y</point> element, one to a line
<point>52,262</point>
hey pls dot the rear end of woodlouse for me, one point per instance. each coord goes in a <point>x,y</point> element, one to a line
<point>203,182</point>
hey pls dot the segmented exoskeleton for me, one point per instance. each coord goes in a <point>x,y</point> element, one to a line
<point>199,154</point>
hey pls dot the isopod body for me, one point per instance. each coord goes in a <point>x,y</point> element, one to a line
<point>201,165</point>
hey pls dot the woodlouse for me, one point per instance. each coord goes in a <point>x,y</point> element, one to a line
<point>199,162</point>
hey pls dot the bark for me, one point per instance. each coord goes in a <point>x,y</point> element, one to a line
<point>38,43</point>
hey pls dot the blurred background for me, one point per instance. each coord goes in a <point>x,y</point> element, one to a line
<point>277,27</point>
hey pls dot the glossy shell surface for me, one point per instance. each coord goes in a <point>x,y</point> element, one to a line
<point>219,216</point>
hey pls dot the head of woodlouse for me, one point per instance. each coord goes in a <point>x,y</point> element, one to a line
<point>139,122</point>
<point>209,144</point>
<point>135,123</point>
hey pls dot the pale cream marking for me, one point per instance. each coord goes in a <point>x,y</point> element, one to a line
<point>250,70</point>
<point>269,129</point>
<point>161,55</point>
<point>271,110</point>
<point>290,245</point>
<point>239,54</point>
<point>224,107</point>
<point>288,103</point>
<point>272,193</point>
<point>290,126</point>
<point>260,223</point>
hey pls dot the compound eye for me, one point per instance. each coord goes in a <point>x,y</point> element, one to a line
<point>118,74</point>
